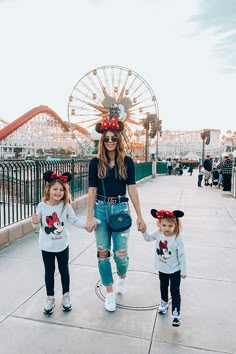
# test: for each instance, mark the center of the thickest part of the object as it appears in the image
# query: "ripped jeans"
(104, 237)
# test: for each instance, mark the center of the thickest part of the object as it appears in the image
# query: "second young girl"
(51, 218)
(169, 259)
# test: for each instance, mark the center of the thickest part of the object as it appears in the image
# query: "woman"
(227, 167)
(117, 171)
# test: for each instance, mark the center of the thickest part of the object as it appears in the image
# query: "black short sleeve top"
(114, 186)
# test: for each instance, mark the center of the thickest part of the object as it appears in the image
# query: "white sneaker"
(50, 304)
(120, 283)
(163, 307)
(66, 304)
(110, 302)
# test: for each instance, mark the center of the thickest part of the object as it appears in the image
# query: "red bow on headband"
(64, 179)
(52, 221)
(113, 124)
(162, 213)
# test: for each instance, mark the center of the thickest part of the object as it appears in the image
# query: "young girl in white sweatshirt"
(52, 216)
(169, 259)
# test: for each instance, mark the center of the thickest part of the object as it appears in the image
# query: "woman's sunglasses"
(110, 138)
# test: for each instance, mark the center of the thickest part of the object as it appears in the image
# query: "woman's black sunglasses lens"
(112, 138)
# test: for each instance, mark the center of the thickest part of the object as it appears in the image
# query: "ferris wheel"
(97, 91)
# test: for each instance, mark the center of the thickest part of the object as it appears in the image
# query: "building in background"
(181, 143)
(40, 130)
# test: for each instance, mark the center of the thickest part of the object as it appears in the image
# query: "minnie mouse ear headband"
(112, 121)
(107, 123)
(49, 176)
(160, 214)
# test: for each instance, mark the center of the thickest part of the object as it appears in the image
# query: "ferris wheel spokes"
(102, 87)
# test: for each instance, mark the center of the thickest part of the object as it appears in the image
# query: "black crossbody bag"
(118, 222)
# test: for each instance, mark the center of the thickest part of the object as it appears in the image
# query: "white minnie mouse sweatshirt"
(169, 252)
(53, 231)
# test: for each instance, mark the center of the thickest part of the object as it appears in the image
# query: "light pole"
(157, 143)
(203, 149)
(146, 126)
(206, 137)
(150, 124)
(159, 131)
(146, 140)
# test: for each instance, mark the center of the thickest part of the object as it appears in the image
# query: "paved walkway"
(208, 293)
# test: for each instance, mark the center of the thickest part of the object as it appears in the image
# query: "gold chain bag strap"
(117, 222)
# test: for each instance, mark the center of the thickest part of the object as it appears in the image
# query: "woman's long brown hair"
(104, 160)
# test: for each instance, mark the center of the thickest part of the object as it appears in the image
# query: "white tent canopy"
(191, 156)
(230, 154)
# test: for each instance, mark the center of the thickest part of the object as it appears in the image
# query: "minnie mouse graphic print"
(169, 255)
(53, 234)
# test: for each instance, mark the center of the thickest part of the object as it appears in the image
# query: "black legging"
(174, 279)
(227, 182)
(63, 266)
(169, 169)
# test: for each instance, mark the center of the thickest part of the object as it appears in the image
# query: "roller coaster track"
(17, 123)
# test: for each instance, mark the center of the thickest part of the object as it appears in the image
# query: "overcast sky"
(184, 49)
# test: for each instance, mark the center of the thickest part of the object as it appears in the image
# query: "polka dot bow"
(112, 124)
(162, 213)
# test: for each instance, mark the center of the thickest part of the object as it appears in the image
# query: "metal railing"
(143, 170)
(22, 184)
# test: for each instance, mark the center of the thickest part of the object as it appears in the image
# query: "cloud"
(218, 19)
(184, 49)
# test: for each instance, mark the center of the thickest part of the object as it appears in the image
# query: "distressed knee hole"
(121, 253)
(102, 253)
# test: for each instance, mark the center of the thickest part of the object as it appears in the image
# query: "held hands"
(91, 224)
(141, 225)
(35, 219)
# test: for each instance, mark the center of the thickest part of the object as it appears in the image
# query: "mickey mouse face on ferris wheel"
(122, 108)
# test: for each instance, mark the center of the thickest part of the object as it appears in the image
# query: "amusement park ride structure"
(97, 91)
(41, 129)
(3, 123)
(89, 103)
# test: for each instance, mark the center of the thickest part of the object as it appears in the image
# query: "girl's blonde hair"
(66, 197)
(104, 160)
(175, 221)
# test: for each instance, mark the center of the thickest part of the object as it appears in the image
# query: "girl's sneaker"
(163, 307)
(176, 322)
(66, 304)
(110, 302)
(50, 304)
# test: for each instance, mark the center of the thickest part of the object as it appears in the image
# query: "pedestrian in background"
(169, 166)
(190, 169)
(207, 164)
(200, 175)
(227, 167)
